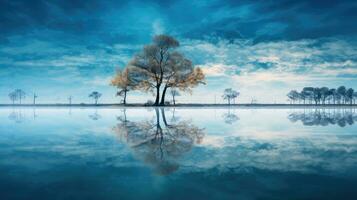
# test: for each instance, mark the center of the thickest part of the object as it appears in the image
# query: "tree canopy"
(323, 95)
(122, 81)
(229, 94)
(95, 95)
(17, 94)
(159, 67)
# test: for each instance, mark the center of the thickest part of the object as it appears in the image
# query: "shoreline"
(187, 105)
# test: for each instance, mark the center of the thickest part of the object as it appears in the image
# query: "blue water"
(183, 153)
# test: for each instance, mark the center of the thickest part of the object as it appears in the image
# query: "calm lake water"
(139, 153)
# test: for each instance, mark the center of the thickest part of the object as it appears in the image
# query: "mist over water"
(182, 153)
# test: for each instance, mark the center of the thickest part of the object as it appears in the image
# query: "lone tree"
(229, 94)
(95, 95)
(122, 81)
(159, 65)
(20, 94)
(13, 97)
(35, 96)
(70, 100)
(174, 92)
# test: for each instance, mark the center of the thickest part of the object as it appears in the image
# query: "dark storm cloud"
(284, 19)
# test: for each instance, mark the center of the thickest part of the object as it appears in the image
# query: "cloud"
(99, 81)
(309, 58)
(275, 66)
(213, 70)
(240, 44)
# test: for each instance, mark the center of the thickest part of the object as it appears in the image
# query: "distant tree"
(333, 94)
(34, 98)
(317, 95)
(95, 95)
(349, 95)
(174, 92)
(70, 100)
(293, 96)
(342, 93)
(324, 94)
(253, 100)
(338, 97)
(303, 95)
(123, 83)
(308, 93)
(159, 65)
(229, 94)
(13, 97)
(354, 97)
(20, 94)
(235, 94)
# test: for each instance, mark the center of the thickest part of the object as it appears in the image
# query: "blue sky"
(262, 48)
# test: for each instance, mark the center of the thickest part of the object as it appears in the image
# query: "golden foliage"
(121, 79)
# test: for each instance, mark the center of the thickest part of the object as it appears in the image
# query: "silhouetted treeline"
(323, 95)
(324, 117)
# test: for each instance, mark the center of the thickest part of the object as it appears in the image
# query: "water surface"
(182, 153)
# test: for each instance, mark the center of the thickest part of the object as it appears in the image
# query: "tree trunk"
(157, 116)
(163, 96)
(157, 95)
(173, 99)
(159, 132)
(164, 117)
(124, 101)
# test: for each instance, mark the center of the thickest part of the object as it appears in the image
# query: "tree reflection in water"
(95, 115)
(157, 142)
(17, 116)
(324, 117)
(229, 117)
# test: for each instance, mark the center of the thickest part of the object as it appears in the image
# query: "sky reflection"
(168, 147)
